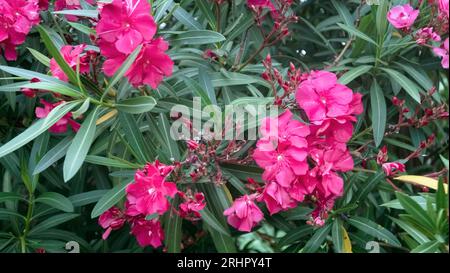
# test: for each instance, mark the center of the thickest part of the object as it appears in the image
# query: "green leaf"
(354, 73)
(86, 198)
(27, 74)
(173, 227)
(40, 57)
(54, 51)
(5, 214)
(411, 230)
(82, 28)
(353, 31)
(420, 77)
(344, 13)
(133, 136)
(211, 220)
(429, 247)
(381, 16)
(410, 87)
(37, 128)
(295, 235)
(379, 112)
(111, 198)
(198, 37)
(317, 239)
(205, 7)
(80, 146)
(109, 162)
(55, 200)
(369, 227)
(415, 210)
(136, 105)
(206, 83)
(83, 108)
(170, 143)
(91, 13)
(55, 88)
(53, 155)
(186, 19)
(10, 196)
(337, 236)
(368, 186)
(52, 222)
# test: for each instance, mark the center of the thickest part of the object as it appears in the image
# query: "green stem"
(23, 243)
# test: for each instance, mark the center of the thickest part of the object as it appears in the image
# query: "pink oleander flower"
(69, 5)
(402, 17)
(147, 232)
(29, 92)
(244, 214)
(110, 220)
(149, 192)
(277, 197)
(61, 125)
(391, 168)
(72, 55)
(329, 105)
(328, 163)
(191, 207)
(423, 35)
(282, 149)
(442, 52)
(443, 7)
(43, 4)
(151, 65)
(16, 20)
(124, 25)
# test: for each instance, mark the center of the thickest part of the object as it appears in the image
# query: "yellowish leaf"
(106, 117)
(347, 247)
(422, 181)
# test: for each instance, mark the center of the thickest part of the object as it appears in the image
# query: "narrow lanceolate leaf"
(53, 155)
(52, 222)
(136, 105)
(86, 198)
(354, 73)
(369, 227)
(353, 31)
(295, 235)
(186, 19)
(410, 87)
(122, 69)
(40, 57)
(211, 220)
(54, 51)
(55, 88)
(37, 128)
(80, 146)
(205, 7)
(369, 185)
(429, 247)
(317, 239)
(109, 162)
(344, 13)
(169, 141)
(10, 196)
(412, 231)
(379, 112)
(28, 74)
(337, 236)
(380, 19)
(415, 210)
(133, 136)
(198, 37)
(55, 200)
(173, 227)
(111, 198)
(79, 12)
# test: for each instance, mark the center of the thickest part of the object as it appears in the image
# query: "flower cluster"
(125, 25)
(303, 160)
(16, 20)
(403, 17)
(148, 196)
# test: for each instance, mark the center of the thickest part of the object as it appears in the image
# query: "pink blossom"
(147, 232)
(402, 17)
(443, 7)
(149, 193)
(43, 4)
(244, 214)
(16, 20)
(29, 92)
(442, 52)
(277, 198)
(61, 125)
(110, 220)
(69, 5)
(282, 150)
(423, 35)
(124, 25)
(391, 168)
(191, 207)
(151, 65)
(72, 55)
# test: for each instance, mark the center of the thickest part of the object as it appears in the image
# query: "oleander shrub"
(224, 126)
